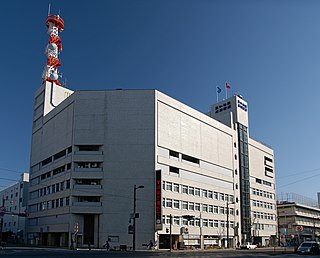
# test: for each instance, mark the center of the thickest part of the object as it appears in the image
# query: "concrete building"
(198, 177)
(14, 201)
(298, 222)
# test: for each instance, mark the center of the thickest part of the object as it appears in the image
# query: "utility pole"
(170, 232)
(135, 215)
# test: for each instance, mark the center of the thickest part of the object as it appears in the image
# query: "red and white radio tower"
(55, 24)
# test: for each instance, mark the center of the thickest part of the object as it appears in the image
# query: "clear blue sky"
(268, 50)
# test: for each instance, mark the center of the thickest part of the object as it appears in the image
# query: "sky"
(267, 50)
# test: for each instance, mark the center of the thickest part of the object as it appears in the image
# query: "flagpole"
(217, 94)
(225, 86)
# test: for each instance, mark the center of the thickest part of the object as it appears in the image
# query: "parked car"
(309, 247)
(248, 246)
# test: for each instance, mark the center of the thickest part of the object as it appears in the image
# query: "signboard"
(299, 228)
(158, 201)
(2, 211)
(76, 228)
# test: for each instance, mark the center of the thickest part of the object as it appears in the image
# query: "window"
(190, 159)
(61, 202)
(176, 204)
(59, 155)
(68, 184)
(185, 189)
(221, 210)
(46, 161)
(197, 207)
(204, 207)
(205, 223)
(174, 170)
(169, 186)
(205, 193)
(176, 188)
(67, 201)
(210, 208)
(197, 191)
(184, 205)
(89, 147)
(173, 153)
(216, 196)
(210, 194)
(191, 206)
(169, 203)
(216, 209)
(191, 190)
(176, 221)
(222, 196)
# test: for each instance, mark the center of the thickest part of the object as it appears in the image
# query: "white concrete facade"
(91, 149)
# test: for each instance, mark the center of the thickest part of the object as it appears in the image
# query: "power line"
(10, 170)
(300, 173)
(298, 181)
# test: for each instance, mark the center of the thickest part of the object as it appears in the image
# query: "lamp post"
(135, 215)
(228, 222)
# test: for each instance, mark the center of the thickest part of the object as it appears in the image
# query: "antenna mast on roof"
(55, 24)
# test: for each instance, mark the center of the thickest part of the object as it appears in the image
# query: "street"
(61, 253)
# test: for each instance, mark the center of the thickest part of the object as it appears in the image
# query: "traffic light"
(167, 230)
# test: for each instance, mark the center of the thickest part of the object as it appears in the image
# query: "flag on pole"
(228, 85)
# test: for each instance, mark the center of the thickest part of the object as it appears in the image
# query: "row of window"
(60, 202)
(185, 189)
(262, 204)
(53, 188)
(192, 206)
(263, 182)
(196, 222)
(263, 215)
(50, 159)
(55, 171)
(262, 193)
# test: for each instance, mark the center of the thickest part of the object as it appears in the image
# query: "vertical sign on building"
(158, 201)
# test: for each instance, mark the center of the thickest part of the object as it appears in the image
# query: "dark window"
(68, 166)
(174, 170)
(46, 161)
(89, 147)
(68, 184)
(58, 170)
(190, 159)
(174, 153)
(69, 150)
(59, 155)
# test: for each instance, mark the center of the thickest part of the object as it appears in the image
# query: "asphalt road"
(60, 253)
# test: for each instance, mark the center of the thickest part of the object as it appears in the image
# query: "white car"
(248, 246)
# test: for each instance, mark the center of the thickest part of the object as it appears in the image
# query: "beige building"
(197, 177)
(299, 220)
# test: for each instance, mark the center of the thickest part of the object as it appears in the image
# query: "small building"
(298, 220)
(14, 204)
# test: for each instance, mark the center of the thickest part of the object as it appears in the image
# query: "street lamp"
(135, 215)
(228, 222)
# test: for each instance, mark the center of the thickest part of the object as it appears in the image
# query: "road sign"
(299, 228)
(2, 211)
(76, 228)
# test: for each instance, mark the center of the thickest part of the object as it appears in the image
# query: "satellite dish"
(54, 76)
(53, 47)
